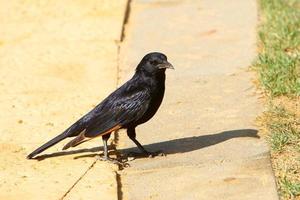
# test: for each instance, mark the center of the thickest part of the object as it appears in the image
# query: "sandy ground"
(206, 122)
(58, 59)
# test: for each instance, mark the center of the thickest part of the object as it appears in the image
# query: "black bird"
(132, 104)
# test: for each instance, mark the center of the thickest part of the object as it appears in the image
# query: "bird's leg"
(132, 135)
(105, 148)
(105, 139)
(106, 156)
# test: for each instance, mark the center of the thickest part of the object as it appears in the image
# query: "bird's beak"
(166, 65)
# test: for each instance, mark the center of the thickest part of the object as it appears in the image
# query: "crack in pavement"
(116, 135)
(79, 179)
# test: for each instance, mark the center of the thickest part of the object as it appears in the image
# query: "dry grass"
(281, 126)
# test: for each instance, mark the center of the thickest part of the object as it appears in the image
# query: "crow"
(132, 104)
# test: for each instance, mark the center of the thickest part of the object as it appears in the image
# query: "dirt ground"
(58, 59)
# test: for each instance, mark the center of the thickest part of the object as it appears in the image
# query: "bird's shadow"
(181, 145)
(72, 152)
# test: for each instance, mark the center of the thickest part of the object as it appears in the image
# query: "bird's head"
(153, 63)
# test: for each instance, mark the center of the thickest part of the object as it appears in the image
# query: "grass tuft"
(289, 188)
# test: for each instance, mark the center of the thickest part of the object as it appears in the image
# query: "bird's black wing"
(120, 109)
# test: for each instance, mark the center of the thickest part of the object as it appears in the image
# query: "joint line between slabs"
(77, 181)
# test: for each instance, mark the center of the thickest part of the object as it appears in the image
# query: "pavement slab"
(58, 59)
(206, 124)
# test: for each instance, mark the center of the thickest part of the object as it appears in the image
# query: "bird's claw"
(156, 153)
(113, 161)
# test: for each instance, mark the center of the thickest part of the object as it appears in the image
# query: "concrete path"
(58, 59)
(206, 123)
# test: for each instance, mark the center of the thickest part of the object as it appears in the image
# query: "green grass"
(284, 128)
(290, 189)
(278, 68)
(279, 60)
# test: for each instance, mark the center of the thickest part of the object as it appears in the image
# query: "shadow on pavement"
(65, 153)
(181, 145)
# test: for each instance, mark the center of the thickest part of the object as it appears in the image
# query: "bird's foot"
(113, 161)
(155, 153)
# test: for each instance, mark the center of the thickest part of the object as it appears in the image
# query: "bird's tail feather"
(76, 141)
(47, 145)
(74, 130)
(83, 138)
